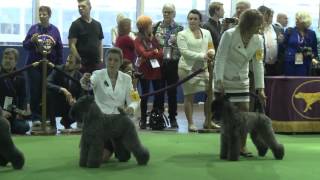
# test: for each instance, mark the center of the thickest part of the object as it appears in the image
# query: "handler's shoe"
(36, 126)
(211, 125)
(71, 131)
(192, 128)
(173, 123)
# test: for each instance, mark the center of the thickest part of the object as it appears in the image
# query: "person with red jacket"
(149, 63)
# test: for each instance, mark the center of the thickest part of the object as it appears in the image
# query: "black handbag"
(158, 120)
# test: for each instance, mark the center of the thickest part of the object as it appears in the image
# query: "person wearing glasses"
(166, 32)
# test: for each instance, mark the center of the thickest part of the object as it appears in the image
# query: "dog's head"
(81, 107)
(221, 104)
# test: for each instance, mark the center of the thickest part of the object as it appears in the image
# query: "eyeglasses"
(167, 12)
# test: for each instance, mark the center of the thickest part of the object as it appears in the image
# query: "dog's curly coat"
(236, 123)
(8, 151)
(99, 128)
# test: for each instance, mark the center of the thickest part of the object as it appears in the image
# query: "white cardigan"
(108, 99)
(191, 49)
(232, 61)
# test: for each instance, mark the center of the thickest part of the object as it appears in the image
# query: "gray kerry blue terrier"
(99, 128)
(236, 123)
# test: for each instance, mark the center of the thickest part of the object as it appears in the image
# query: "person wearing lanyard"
(301, 47)
(166, 33)
(149, 63)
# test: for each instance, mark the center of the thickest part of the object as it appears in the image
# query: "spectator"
(149, 63)
(13, 92)
(272, 36)
(31, 45)
(241, 6)
(238, 47)
(282, 21)
(85, 39)
(216, 12)
(195, 46)
(62, 91)
(166, 32)
(126, 44)
(300, 43)
(115, 30)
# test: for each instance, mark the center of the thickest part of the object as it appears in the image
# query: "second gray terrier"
(236, 123)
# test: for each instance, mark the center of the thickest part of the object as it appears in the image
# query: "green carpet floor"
(173, 156)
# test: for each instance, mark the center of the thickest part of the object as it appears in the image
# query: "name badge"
(167, 53)
(298, 58)
(154, 63)
(259, 55)
(7, 102)
(135, 96)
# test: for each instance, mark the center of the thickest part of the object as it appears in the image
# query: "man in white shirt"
(270, 42)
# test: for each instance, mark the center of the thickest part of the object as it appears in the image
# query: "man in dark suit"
(62, 91)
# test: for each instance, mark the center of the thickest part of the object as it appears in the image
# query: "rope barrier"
(67, 75)
(78, 83)
(174, 85)
(14, 73)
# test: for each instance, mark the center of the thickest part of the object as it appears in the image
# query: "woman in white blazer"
(239, 47)
(112, 89)
(196, 48)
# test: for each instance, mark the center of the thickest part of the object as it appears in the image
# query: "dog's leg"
(234, 145)
(132, 143)
(120, 151)
(9, 151)
(95, 153)
(260, 145)
(267, 134)
(3, 161)
(223, 146)
(84, 150)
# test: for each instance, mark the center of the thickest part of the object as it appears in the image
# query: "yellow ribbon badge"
(259, 55)
(135, 95)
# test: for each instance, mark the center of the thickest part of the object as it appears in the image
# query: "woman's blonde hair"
(304, 17)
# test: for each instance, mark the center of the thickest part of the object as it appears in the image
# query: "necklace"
(245, 40)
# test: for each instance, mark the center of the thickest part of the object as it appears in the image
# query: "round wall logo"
(306, 99)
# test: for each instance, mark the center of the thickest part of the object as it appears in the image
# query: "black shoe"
(246, 154)
(142, 124)
(173, 123)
